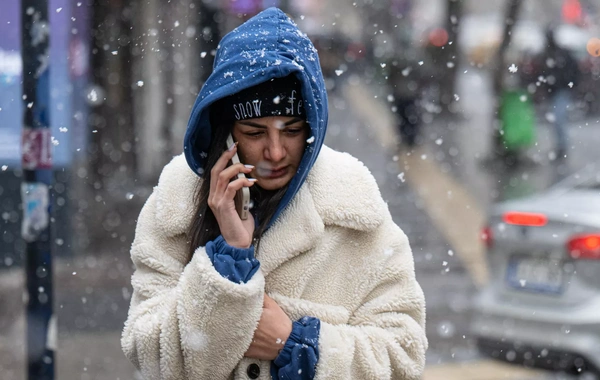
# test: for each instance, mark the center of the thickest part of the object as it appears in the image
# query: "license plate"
(535, 274)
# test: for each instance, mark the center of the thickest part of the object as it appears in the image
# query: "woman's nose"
(275, 150)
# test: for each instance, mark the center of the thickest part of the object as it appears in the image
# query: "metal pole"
(35, 189)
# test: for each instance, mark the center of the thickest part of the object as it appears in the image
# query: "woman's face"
(274, 145)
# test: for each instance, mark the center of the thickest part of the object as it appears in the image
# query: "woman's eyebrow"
(252, 124)
(256, 125)
(293, 121)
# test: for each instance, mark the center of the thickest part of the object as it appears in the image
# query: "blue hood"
(267, 46)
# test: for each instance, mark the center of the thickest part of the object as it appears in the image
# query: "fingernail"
(232, 146)
(249, 166)
(252, 179)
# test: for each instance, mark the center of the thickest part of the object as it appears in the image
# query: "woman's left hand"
(272, 332)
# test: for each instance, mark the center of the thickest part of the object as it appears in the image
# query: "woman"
(318, 283)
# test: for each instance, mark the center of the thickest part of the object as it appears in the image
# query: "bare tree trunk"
(209, 37)
(113, 137)
(111, 170)
(150, 89)
(185, 74)
(512, 12)
(172, 59)
(454, 12)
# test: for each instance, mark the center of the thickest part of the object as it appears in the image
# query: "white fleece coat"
(334, 254)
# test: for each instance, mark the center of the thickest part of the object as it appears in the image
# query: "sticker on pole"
(37, 149)
(35, 210)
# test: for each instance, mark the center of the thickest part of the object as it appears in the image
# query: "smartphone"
(242, 196)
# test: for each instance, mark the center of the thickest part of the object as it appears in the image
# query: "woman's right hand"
(221, 200)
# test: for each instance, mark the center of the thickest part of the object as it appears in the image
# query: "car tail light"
(487, 237)
(585, 247)
(525, 219)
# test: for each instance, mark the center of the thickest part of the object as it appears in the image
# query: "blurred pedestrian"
(561, 73)
(408, 76)
(318, 282)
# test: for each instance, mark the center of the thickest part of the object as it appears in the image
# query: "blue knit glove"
(236, 264)
(299, 357)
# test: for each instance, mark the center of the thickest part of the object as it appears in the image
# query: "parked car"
(541, 307)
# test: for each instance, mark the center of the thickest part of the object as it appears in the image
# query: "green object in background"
(517, 116)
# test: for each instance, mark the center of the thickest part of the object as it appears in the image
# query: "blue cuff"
(236, 264)
(299, 357)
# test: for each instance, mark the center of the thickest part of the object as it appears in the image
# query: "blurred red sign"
(37, 149)
(572, 11)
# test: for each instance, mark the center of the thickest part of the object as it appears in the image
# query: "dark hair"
(204, 227)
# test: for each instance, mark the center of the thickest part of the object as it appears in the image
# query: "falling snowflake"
(401, 177)
(570, 84)
(439, 141)
(203, 54)
(4, 167)
(513, 68)
(228, 74)
(63, 129)
(311, 140)
(339, 72)
(383, 65)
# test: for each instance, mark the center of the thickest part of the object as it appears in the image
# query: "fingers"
(221, 174)
(236, 185)
(221, 164)
(230, 173)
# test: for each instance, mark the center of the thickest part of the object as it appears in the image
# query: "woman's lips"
(273, 173)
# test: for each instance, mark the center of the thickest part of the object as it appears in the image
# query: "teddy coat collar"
(335, 193)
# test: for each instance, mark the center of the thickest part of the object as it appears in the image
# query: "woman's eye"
(253, 134)
(294, 130)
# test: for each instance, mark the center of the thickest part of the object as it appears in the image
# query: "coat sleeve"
(185, 320)
(385, 336)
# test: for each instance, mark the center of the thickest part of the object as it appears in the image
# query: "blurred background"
(464, 111)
